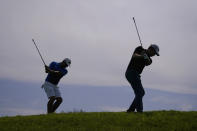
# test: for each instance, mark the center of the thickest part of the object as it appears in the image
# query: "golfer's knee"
(143, 93)
(59, 100)
(140, 95)
(51, 100)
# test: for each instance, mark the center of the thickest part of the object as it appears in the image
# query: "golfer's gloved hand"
(145, 56)
(47, 69)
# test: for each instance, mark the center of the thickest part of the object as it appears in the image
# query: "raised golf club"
(39, 52)
(137, 31)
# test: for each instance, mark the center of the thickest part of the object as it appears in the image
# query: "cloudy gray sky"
(99, 36)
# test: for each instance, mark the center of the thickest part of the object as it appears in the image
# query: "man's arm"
(147, 59)
(48, 70)
(144, 56)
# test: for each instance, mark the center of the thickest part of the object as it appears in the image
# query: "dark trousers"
(134, 79)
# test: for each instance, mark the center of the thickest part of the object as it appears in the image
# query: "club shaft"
(38, 51)
(137, 31)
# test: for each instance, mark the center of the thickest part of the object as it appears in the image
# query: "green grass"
(103, 121)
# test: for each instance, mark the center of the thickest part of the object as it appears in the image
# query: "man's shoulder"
(53, 64)
(139, 49)
(64, 71)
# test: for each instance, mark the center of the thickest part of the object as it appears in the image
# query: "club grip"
(133, 18)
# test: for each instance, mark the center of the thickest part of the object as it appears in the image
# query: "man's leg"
(137, 102)
(139, 93)
(131, 77)
(139, 96)
(132, 106)
(57, 103)
(50, 104)
(50, 94)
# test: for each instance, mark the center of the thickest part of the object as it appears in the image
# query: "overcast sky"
(99, 36)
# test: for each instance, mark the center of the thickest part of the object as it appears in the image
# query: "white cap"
(67, 61)
(156, 48)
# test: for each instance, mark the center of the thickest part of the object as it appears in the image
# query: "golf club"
(137, 31)
(38, 52)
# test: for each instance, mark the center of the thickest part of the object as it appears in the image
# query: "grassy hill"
(103, 121)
